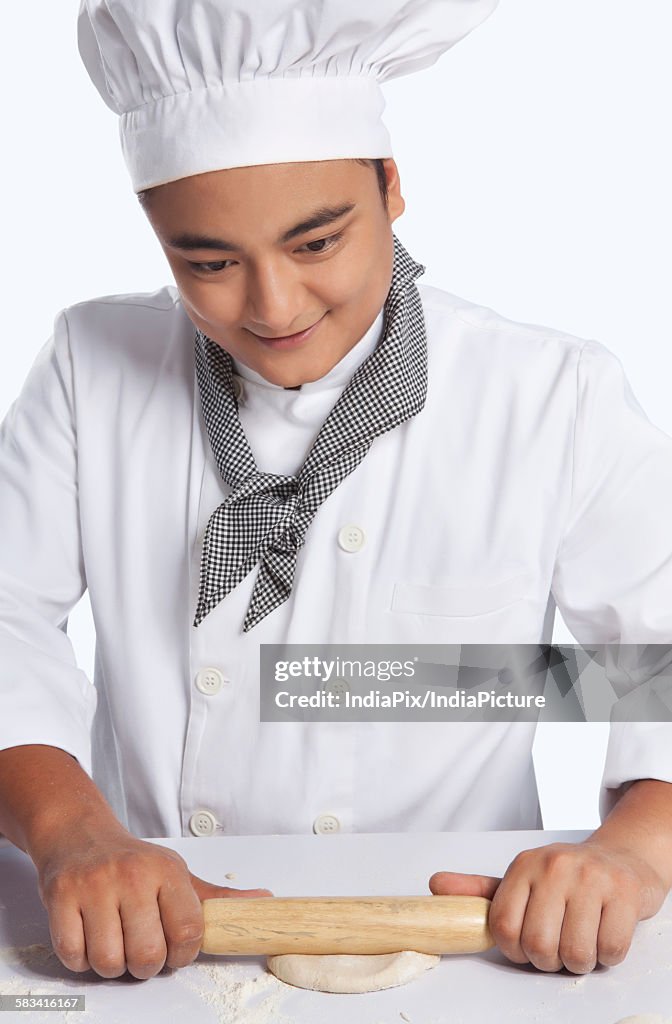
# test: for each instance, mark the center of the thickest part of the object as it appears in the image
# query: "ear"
(395, 201)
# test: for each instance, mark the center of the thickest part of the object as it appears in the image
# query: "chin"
(291, 376)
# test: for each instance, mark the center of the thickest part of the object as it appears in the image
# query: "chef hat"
(202, 85)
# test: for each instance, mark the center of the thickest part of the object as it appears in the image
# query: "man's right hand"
(118, 903)
(115, 903)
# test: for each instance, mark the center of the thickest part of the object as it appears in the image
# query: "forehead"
(278, 201)
(266, 185)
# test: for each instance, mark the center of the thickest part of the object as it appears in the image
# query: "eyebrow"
(320, 218)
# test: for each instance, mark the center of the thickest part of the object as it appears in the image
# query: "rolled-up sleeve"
(44, 697)
(613, 574)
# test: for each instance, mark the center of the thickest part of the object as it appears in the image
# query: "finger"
(506, 917)
(104, 938)
(454, 883)
(182, 921)
(577, 948)
(542, 927)
(224, 892)
(144, 942)
(67, 935)
(614, 937)
(208, 891)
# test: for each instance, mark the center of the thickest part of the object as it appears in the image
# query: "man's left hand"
(570, 905)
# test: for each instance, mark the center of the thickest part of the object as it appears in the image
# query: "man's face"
(250, 268)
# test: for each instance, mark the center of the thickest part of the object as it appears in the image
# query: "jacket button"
(350, 538)
(209, 681)
(337, 686)
(202, 823)
(326, 825)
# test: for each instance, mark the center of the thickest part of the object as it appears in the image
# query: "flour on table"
(41, 958)
(37, 955)
(235, 995)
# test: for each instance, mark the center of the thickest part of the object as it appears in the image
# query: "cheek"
(207, 302)
(350, 284)
(368, 286)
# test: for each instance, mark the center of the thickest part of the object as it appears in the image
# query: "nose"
(274, 300)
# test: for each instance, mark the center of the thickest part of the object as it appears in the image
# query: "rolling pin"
(272, 925)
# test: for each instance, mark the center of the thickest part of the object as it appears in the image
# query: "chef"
(300, 442)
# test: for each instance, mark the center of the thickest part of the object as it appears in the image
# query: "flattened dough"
(349, 973)
(645, 1018)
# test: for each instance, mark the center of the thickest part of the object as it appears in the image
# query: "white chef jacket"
(531, 478)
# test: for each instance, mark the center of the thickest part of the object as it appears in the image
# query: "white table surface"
(475, 989)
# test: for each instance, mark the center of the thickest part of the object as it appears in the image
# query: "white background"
(535, 162)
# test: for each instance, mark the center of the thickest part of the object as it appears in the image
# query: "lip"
(291, 340)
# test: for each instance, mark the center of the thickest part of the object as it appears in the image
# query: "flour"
(236, 995)
(34, 956)
(43, 960)
(239, 993)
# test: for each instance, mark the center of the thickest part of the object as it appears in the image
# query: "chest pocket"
(460, 599)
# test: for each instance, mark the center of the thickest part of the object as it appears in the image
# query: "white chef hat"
(202, 85)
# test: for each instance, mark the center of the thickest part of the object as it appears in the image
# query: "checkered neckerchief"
(266, 516)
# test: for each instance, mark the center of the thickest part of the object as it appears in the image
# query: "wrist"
(81, 820)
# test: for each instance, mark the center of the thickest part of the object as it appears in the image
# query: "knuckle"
(70, 955)
(612, 953)
(578, 960)
(55, 887)
(560, 861)
(146, 963)
(537, 949)
(181, 958)
(133, 869)
(149, 956)
(503, 929)
(522, 859)
(173, 858)
(594, 875)
(187, 933)
(549, 963)
(540, 950)
(109, 965)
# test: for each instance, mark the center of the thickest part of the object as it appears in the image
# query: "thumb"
(209, 891)
(453, 883)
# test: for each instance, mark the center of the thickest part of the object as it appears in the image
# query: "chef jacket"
(530, 479)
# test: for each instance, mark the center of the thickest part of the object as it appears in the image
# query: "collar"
(338, 376)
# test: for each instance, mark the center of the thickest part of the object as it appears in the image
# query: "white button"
(238, 389)
(350, 538)
(209, 681)
(326, 825)
(202, 823)
(337, 686)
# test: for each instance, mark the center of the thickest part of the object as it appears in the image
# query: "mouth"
(290, 340)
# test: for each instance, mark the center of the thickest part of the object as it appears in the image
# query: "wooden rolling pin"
(271, 925)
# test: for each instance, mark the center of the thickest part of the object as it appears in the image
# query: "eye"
(209, 268)
(217, 266)
(328, 243)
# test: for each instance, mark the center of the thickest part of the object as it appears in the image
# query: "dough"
(350, 973)
(645, 1018)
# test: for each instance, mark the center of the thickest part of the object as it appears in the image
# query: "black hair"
(378, 164)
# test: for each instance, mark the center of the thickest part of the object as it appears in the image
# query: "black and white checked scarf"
(266, 516)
